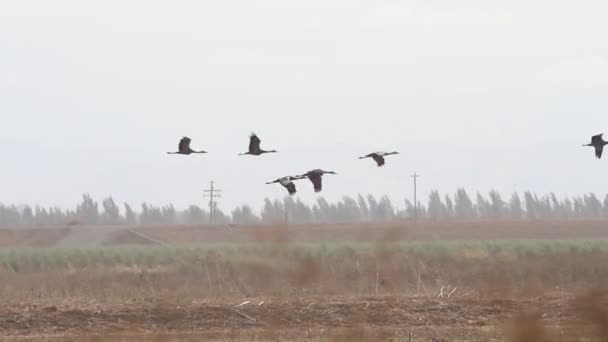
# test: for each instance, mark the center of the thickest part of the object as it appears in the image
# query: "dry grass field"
(458, 281)
(404, 230)
(31, 237)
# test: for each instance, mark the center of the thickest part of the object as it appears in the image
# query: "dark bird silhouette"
(316, 177)
(184, 147)
(254, 147)
(288, 183)
(378, 157)
(598, 142)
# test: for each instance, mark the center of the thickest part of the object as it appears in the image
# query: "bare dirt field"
(97, 236)
(405, 230)
(31, 237)
(306, 319)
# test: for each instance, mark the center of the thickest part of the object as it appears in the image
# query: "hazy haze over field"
(92, 95)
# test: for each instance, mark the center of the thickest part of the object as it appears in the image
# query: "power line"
(212, 193)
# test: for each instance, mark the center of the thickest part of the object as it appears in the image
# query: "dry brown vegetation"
(31, 237)
(406, 230)
(387, 288)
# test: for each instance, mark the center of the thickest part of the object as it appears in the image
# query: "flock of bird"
(315, 176)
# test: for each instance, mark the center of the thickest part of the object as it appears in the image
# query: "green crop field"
(43, 259)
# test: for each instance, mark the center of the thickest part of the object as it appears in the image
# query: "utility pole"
(415, 176)
(212, 193)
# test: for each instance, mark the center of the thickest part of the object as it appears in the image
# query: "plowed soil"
(404, 230)
(93, 236)
(154, 316)
(32, 237)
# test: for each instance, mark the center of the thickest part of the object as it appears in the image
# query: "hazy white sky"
(477, 94)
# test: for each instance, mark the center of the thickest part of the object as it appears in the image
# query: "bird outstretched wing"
(317, 181)
(184, 144)
(597, 139)
(291, 188)
(598, 150)
(378, 159)
(254, 142)
(284, 181)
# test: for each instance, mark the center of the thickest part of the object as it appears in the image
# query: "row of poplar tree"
(348, 209)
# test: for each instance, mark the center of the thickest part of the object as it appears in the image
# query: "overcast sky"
(478, 94)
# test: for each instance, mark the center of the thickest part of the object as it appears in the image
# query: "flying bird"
(598, 142)
(184, 147)
(254, 146)
(378, 157)
(288, 183)
(315, 177)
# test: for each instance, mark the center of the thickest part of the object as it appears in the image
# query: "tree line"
(360, 209)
